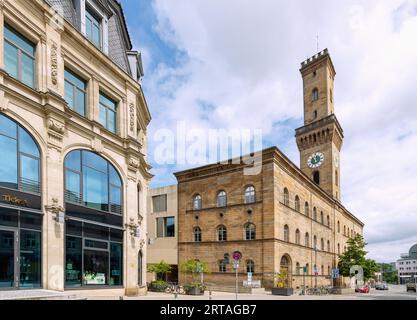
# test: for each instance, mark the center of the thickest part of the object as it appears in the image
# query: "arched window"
(336, 177)
(328, 220)
(307, 240)
(315, 243)
(297, 236)
(307, 268)
(322, 244)
(322, 270)
(250, 266)
(338, 226)
(328, 245)
(306, 209)
(328, 270)
(338, 248)
(321, 217)
(197, 202)
(286, 197)
(344, 230)
(316, 177)
(297, 268)
(197, 234)
(315, 214)
(315, 94)
(222, 233)
(222, 266)
(20, 158)
(286, 233)
(250, 231)
(344, 249)
(297, 203)
(92, 181)
(348, 231)
(222, 199)
(250, 196)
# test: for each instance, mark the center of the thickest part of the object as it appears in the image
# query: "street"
(395, 292)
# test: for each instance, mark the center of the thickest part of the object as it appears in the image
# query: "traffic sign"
(235, 264)
(335, 273)
(237, 255)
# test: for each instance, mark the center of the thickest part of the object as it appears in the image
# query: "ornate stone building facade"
(73, 123)
(285, 220)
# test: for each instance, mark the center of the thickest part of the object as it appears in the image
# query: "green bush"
(195, 285)
(158, 286)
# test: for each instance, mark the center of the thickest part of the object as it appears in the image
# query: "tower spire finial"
(317, 43)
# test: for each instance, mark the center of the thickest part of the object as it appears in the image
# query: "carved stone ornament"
(54, 64)
(56, 126)
(133, 163)
(132, 116)
(55, 208)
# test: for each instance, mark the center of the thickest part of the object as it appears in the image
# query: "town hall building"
(285, 220)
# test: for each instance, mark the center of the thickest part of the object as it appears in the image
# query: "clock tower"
(320, 139)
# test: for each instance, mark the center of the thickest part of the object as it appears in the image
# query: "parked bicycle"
(174, 288)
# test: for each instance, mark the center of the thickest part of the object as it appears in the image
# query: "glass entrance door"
(7, 259)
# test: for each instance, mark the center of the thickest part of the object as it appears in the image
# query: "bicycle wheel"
(180, 290)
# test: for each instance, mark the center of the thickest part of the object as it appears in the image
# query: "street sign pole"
(236, 257)
(237, 280)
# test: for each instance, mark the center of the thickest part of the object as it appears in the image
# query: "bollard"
(210, 297)
(176, 295)
(120, 297)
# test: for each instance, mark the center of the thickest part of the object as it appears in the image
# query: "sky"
(215, 64)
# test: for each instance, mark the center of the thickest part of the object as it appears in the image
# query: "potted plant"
(281, 288)
(194, 268)
(161, 270)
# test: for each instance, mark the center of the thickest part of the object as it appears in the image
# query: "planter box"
(195, 292)
(282, 291)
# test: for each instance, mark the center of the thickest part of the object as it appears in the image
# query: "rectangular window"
(165, 227)
(75, 92)
(159, 203)
(19, 56)
(93, 27)
(108, 113)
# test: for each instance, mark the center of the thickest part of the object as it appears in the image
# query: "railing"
(27, 185)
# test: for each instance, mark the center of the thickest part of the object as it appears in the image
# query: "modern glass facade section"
(20, 249)
(20, 158)
(93, 182)
(94, 255)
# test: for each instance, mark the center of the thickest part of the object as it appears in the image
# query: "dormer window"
(93, 27)
(93, 17)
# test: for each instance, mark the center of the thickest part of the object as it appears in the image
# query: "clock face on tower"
(315, 160)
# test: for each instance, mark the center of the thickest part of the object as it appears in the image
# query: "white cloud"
(240, 70)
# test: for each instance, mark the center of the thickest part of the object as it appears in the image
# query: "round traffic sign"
(237, 255)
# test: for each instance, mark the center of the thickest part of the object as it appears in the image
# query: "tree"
(355, 255)
(194, 267)
(161, 269)
(389, 274)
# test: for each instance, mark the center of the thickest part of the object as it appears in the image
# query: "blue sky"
(232, 65)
